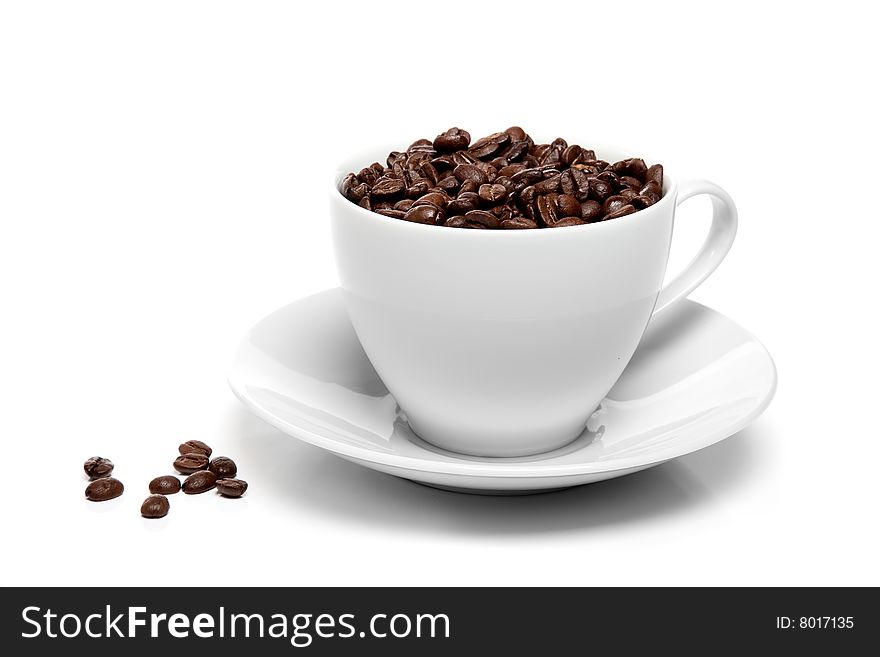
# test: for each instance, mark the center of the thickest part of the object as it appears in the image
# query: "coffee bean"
(641, 202)
(437, 199)
(454, 139)
(591, 211)
(518, 223)
(189, 463)
(548, 185)
(576, 183)
(394, 214)
(194, 447)
(386, 187)
(546, 210)
(166, 485)
(465, 202)
(483, 218)
(620, 212)
(600, 189)
(634, 167)
(493, 193)
(465, 172)
(505, 175)
(224, 467)
(424, 214)
(613, 203)
(155, 506)
(483, 148)
(199, 482)
(103, 489)
(97, 467)
(568, 206)
(568, 221)
(231, 487)
(655, 174)
(633, 183)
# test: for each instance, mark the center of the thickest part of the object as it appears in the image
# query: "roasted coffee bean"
(97, 467)
(166, 485)
(199, 482)
(614, 203)
(483, 148)
(568, 221)
(468, 187)
(189, 463)
(223, 467)
(634, 167)
(493, 193)
(600, 189)
(568, 206)
(394, 214)
(465, 172)
(424, 214)
(591, 211)
(505, 175)
(449, 184)
(194, 447)
(633, 183)
(510, 170)
(483, 218)
(576, 183)
(641, 202)
(620, 212)
(437, 199)
(386, 187)
(231, 487)
(454, 139)
(571, 154)
(546, 210)
(418, 189)
(155, 506)
(465, 202)
(548, 185)
(103, 489)
(518, 223)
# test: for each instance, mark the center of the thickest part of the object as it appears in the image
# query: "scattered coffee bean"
(189, 463)
(224, 467)
(231, 487)
(505, 176)
(199, 482)
(97, 467)
(166, 485)
(194, 447)
(155, 506)
(103, 489)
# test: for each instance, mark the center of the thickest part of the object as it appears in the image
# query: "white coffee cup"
(504, 342)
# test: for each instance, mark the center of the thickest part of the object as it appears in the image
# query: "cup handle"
(717, 244)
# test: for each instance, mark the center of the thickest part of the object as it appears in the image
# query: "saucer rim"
(501, 470)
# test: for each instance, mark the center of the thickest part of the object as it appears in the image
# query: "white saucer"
(696, 378)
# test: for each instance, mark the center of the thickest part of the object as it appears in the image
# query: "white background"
(163, 171)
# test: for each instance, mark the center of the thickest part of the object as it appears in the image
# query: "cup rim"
(670, 190)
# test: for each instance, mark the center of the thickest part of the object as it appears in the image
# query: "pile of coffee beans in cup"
(203, 474)
(503, 181)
